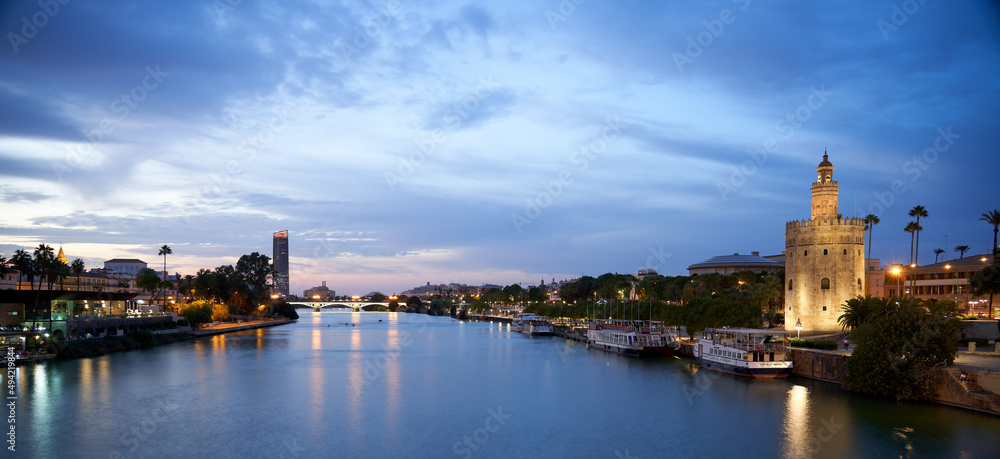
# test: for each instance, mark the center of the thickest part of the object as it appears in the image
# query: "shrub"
(815, 344)
(144, 338)
(182, 323)
(978, 341)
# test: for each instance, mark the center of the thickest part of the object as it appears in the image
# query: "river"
(407, 385)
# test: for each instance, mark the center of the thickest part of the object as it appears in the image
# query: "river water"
(407, 385)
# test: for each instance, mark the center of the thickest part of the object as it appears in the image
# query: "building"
(644, 273)
(947, 280)
(824, 260)
(61, 257)
(281, 263)
(321, 293)
(126, 266)
(728, 264)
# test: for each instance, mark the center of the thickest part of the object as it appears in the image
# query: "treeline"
(742, 299)
(242, 288)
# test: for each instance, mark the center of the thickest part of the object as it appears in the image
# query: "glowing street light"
(896, 272)
(798, 328)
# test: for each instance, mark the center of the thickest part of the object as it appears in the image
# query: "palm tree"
(918, 211)
(937, 253)
(77, 268)
(22, 262)
(870, 221)
(5, 269)
(993, 218)
(165, 250)
(986, 281)
(60, 271)
(912, 229)
(961, 249)
(44, 259)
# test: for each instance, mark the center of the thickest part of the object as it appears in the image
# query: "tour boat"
(747, 352)
(632, 337)
(531, 324)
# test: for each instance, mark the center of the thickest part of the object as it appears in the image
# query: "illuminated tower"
(281, 263)
(824, 260)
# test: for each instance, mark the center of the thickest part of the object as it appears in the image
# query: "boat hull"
(633, 351)
(775, 372)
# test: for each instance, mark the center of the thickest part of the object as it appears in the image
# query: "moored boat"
(636, 338)
(531, 324)
(751, 352)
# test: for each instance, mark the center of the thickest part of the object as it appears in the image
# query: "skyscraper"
(281, 263)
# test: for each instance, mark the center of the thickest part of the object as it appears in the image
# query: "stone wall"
(826, 366)
(949, 390)
(823, 248)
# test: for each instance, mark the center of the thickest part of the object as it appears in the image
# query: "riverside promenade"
(226, 327)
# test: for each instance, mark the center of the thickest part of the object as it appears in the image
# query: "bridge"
(356, 306)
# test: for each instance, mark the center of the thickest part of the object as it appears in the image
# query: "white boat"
(751, 352)
(531, 324)
(632, 337)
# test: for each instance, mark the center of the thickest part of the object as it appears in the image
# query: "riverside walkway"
(226, 327)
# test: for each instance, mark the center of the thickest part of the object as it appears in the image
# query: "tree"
(198, 312)
(918, 211)
(961, 249)
(986, 281)
(77, 267)
(22, 262)
(993, 218)
(377, 297)
(254, 271)
(414, 302)
(58, 273)
(4, 267)
(860, 309)
(912, 228)
(513, 293)
(898, 352)
(937, 253)
(148, 280)
(44, 259)
(165, 250)
(870, 221)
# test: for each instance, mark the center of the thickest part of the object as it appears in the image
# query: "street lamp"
(798, 328)
(896, 272)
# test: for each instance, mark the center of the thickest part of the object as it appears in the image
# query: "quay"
(227, 327)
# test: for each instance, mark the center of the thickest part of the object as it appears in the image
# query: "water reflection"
(796, 426)
(393, 349)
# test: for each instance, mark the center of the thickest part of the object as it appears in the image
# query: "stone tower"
(824, 260)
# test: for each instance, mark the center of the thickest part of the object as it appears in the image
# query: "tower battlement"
(824, 259)
(825, 221)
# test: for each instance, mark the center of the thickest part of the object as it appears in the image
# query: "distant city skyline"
(494, 142)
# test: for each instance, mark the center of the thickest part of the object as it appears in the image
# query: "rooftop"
(736, 260)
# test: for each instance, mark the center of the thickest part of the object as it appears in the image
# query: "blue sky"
(488, 141)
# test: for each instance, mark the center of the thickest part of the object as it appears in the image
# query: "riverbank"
(94, 347)
(977, 390)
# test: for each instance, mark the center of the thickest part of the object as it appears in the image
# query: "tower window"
(805, 253)
(824, 308)
(859, 283)
(825, 283)
(845, 251)
(790, 284)
(824, 252)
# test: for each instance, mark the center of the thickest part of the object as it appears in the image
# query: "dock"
(238, 326)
